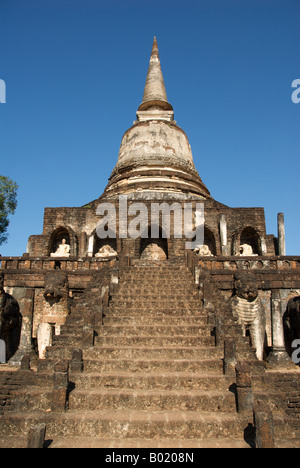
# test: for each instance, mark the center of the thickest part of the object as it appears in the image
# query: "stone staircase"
(153, 378)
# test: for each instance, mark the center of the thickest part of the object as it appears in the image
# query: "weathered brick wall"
(47, 312)
(78, 223)
(28, 276)
(10, 382)
(38, 245)
(281, 389)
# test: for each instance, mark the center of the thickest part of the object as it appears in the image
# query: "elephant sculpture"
(10, 321)
(248, 310)
(291, 322)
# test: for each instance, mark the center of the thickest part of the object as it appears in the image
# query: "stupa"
(124, 333)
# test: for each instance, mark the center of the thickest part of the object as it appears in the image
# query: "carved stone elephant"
(248, 310)
(10, 321)
(291, 322)
(56, 285)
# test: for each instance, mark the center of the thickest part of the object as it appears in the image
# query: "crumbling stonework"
(132, 341)
(10, 321)
(52, 303)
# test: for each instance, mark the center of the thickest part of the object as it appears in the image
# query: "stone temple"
(115, 333)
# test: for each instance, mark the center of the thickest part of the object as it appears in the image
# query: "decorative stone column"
(91, 242)
(235, 246)
(82, 244)
(263, 246)
(223, 234)
(281, 235)
(278, 356)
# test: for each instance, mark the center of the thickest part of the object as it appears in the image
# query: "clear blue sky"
(75, 72)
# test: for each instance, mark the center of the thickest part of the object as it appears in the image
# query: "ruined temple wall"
(72, 221)
(276, 279)
(25, 280)
(237, 220)
(28, 282)
(81, 223)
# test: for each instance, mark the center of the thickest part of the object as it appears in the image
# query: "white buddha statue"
(246, 251)
(63, 250)
(203, 251)
(106, 251)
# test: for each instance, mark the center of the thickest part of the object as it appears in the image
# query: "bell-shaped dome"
(155, 142)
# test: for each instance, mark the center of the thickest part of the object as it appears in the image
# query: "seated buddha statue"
(63, 250)
(106, 251)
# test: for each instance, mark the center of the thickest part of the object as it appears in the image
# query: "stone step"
(162, 283)
(208, 366)
(153, 308)
(141, 330)
(141, 303)
(68, 340)
(73, 319)
(152, 353)
(288, 443)
(70, 329)
(156, 271)
(155, 341)
(150, 319)
(135, 366)
(16, 442)
(163, 381)
(19, 442)
(154, 275)
(74, 338)
(119, 337)
(169, 273)
(159, 287)
(34, 399)
(155, 365)
(118, 424)
(162, 278)
(152, 400)
(172, 300)
(116, 311)
(166, 266)
(79, 442)
(136, 271)
(157, 294)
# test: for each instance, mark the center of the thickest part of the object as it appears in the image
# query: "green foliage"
(8, 204)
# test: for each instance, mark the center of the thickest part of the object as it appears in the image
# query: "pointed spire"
(155, 95)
